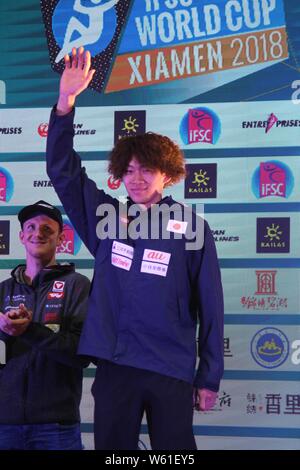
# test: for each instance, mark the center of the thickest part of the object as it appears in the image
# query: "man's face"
(41, 236)
(144, 185)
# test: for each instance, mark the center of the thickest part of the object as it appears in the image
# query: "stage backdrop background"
(221, 78)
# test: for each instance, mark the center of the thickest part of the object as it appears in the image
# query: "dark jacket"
(42, 379)
(138, 317)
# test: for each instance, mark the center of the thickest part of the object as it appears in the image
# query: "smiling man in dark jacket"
(42, 307)
(147, 290)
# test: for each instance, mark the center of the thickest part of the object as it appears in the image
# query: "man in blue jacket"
(43, 305)
(148, 289)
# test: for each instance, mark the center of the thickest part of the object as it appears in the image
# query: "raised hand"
(75, 79)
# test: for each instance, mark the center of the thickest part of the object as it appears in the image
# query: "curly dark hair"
(153, 151)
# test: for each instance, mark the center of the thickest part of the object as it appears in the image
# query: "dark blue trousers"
(40, 437)
(123, 393)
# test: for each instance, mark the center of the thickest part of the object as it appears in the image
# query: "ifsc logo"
(71, 243)
(200, 125)
(272, 178)
(94, 24)
(6, 185)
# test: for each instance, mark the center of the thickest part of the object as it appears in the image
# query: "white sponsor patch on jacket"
(58, 286)
(177, 226)
(155, 262)
(122, 249)
(121, 255)
(55, 327)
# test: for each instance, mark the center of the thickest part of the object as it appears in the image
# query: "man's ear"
(167, 180)
(21, 237)
(61, 238)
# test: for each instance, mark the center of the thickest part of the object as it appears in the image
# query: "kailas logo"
(4, 237)
(200, 125)
(272, 178)
(71, 243)
(43, 129)
(273, 235)
(6, 185)
(201, 181)
(93, 24)
(129, 123)
(270, 348)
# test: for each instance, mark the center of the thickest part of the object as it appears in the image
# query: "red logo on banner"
(113, 183)
(43, 129)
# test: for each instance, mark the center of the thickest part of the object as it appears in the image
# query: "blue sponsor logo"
(270, 348)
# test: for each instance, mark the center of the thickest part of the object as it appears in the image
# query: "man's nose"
(138, 176)
(39, 232)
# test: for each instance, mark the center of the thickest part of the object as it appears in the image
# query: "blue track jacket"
(147, 294)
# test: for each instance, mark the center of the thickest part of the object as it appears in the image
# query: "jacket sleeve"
(211, 317)
(62, 346)
(79, 194)
(3, 336)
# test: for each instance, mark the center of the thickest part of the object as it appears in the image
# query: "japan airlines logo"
(113, 183)
(43, 129)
